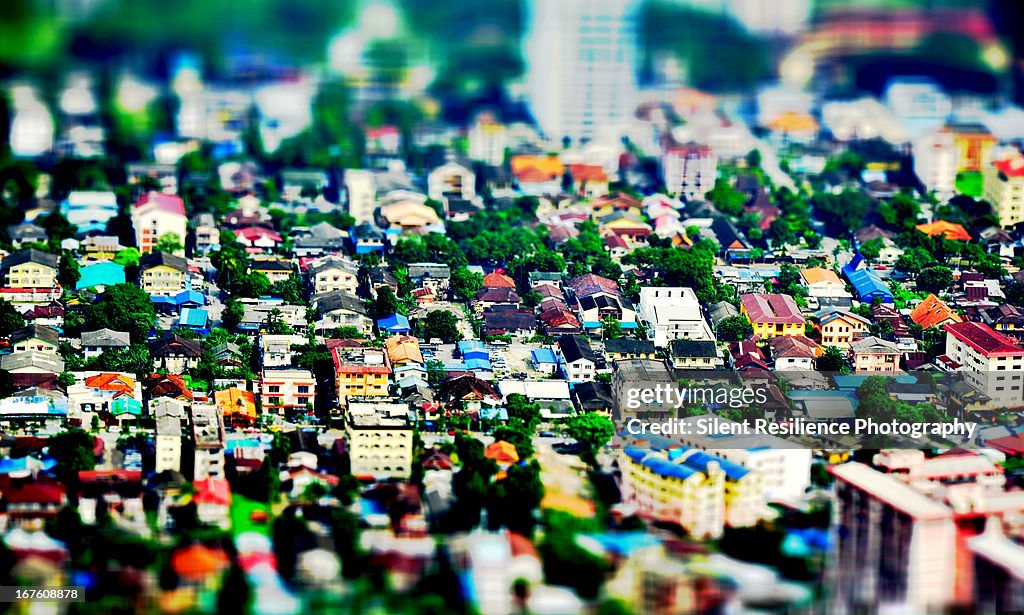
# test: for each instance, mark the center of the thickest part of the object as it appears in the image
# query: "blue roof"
(193, 317)
(455, 366)
(478, 364)
(468, 345)
(636, 453)
(161, 299)
(396, 323)
(100, 274)
(25, 464)
(190, 296)
(867, 285)
(664, 467)
(852, 381)
(597, 324)
(700, 460)
(543, 355)
(488, 412)
(624, 543)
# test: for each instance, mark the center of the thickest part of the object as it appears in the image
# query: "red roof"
(123, 385)
(212, 491)
(1012, 167)
(165, 202)
(588, 173)
(383, 131)
(43, 491)
(498, 280)
(985, 339)
(254, 233)
(772, 308)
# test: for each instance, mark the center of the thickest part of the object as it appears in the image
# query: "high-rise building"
(581, 66)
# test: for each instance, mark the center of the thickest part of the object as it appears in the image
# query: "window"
(274, 388)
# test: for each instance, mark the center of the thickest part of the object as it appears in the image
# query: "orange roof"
(197, 563)
(235, 401)
(502, 452)
(403, 348)
(574, 505)
(816, 275)
(950, 230)
(933, 312)
(498, 280)
(588, 173)
(548, 166)
(123, 384)
(791, 121)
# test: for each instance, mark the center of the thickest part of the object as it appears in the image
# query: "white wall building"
(672, 313)
(581, 61)
(935, 161)
(361, 192)
(689, 170)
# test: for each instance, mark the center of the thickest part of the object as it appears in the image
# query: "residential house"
(867, 285)
(794, 352)
(628, 348)
(176, 354)
(26, 233)
(487, 139)
(435, 276)
(89, 211)
(411, 216)
(933, 312)
(695, 354)
(935, 162)
(95, 343)
(333, 274)
(558, 320)
(949, 231)
(320, 239)
(236, 406)
(275, 270)
(469, 394)
(206, 233)
(772, 315)
(537, 175)
(32, 362)
(1004, 189)
(168, 443)
(379, 438)
(670, 313)
(689, 170)
(156, 215)
(362, 372)
(514, 322)
(100, 247)
(163, 274)
(590, 181)
(577, 361)
(100, 275)
(1006, 318)
(992, 362)
(30, 269)
(287, 390)
(297, 184)
(368, 238)
(403, 350)
(451, 181)
(258, 238)
(339, 309)
(258, 315)
(840, 327)
(39, 338)
(497, 279)
(212, 498)
(873, 354)
(280, 350)
(109, 396)
(826, 286)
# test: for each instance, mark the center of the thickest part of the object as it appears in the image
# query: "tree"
(872, 248)
(170, 243)
(844, 212)
(385, 304)
(914, 259)
(520, 408)
(232, 315)
(123, 307)
(512, 500)
(727, 199)
(790, 281)
(901, 211)
(73, 452)
(935, 279)
(441, 324)
(57, 227)
(465, 283)
(832, 360)
(66, 379)
(128, 257)
(592, 430)
(1014, 293)
(288, 289)
(67, 270)
(611, 328)
(135, 359)
(10, 319)
(734, 329)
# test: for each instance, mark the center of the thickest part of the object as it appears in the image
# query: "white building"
(672, 313)
(168, 444)
(379, 438)
(451, 180)
(208, 441)
(155, 215)
(992, 362)
(488, 139)
(935, 161)
(581, 61)
(689, 170)
(361, 192)
(287, 389)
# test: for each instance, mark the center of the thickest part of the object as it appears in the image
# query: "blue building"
(867, 285)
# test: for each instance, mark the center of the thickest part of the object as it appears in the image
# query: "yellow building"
(1004, 189)
(361, 372)
(163, 274)
(772, 315)
(30, 269)
(839, 328)
(700, 492)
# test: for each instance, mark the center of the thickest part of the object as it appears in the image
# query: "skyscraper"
(581, 66)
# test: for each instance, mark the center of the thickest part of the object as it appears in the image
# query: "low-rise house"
(695, 354)
(320, 239)
(435, 276)
(95, 343)
(887, 313)
(258, 315)
(157, 215)
(772, 315)
(451, 181)
(32, 269)
(868, 287)
(514, 322)
(212, 497)
(339, 309)
(206, 233)
(1007, 319)
(163, 274)
(873, 354)
(35, 337)
(933, 312)
(558, 320)
(176, 354)
(287, 390)
(487, 298)
(403, 350)
(32, 362)
(333, 274)
(275, 270)
(207, 441)
(672, 313)
(826, 286)
(108, 396)
(236, 406)
(596, 308)
(367, 238)
(628, 348)
(840, 327)
(26, 233)
(537, 175)
(794, 352)
(280, 350)
(577, 361)
(543, 360)
(258, 238)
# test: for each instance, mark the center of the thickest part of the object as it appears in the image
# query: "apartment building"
(379, 439)
(672, 313)
(287, 389)
(207, 441)
(991, 361)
